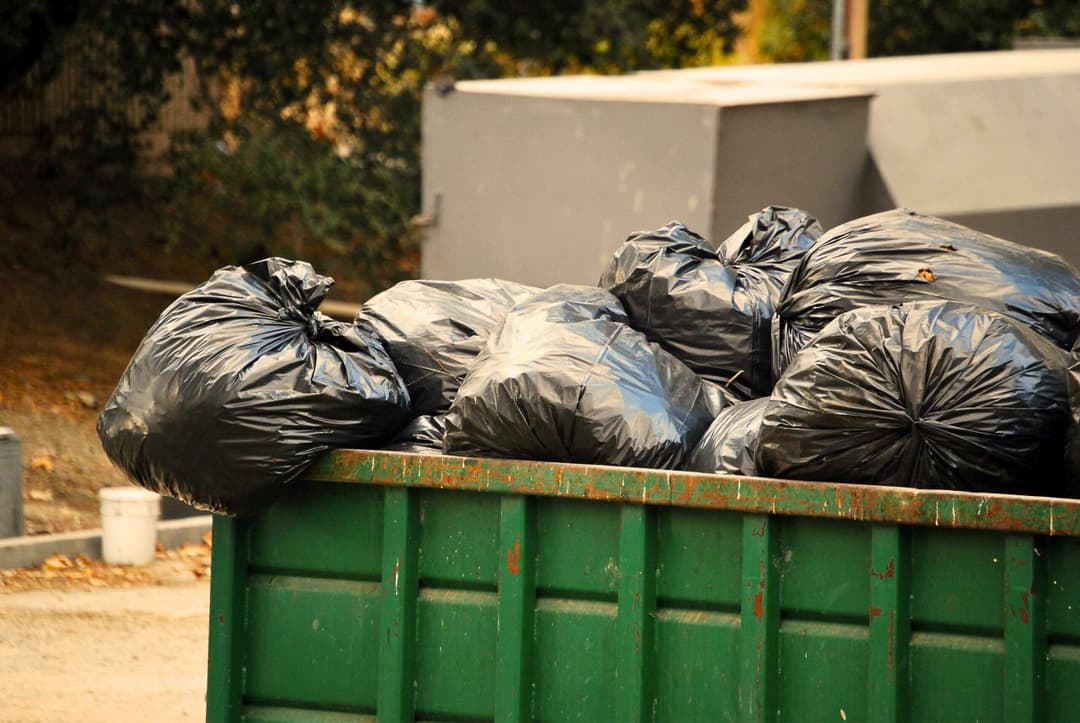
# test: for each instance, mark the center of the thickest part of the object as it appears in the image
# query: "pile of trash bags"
(895, 349)
(712, 307)
(566, 378)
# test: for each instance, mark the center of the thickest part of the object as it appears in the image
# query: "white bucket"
(129, 518)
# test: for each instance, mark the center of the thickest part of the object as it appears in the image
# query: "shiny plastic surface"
(1072, 437)
(730, 443)
(433, 331)
(711, 307)
(929, 394)
(565, 378)
(902, 255)
(241, 383)
(422, 435)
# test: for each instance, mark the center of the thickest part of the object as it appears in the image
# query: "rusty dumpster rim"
(842, 501)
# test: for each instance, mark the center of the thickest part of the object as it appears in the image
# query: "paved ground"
(116, 654)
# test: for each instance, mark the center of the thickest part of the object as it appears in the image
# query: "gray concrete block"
(34, 550)
(11, 484)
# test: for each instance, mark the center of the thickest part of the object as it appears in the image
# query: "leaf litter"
(187, 563)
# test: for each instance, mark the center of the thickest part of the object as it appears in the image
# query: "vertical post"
(837, 40)
(760, 623)
(635, 638)
(1025, 629)
(228, 611)
(858, 24)
(517, 609)
(12, 521)
(890, 623)
(397, 613)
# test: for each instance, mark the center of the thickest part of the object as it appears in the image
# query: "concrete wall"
(540, 183)
(986, 139)
(806, 154)
(541, 190)
(541, 179)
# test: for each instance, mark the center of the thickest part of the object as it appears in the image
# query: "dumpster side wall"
(413, 602)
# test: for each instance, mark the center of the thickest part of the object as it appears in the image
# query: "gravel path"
(129, 654)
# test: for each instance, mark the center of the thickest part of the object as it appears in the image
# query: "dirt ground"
(62, 351)
(128, 655)
(66, 336)
(81, 640)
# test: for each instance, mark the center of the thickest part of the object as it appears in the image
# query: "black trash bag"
(565, 378)
(422, 435)
(929, 394)
(712, 307)
(718, 397)
(1072, 438)
(901, 255)
(241, 383)
(730, 443)
(433, 331)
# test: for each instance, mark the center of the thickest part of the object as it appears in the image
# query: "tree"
(1051, 18)
(313, 142)
(28, 35)
(558, 36)
(798, 30)
(908, 27)
(795, 30)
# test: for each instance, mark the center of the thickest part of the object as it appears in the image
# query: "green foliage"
(907, 27)
(279, 189)
(604, 36)
(116, 54)
(316, 153)
(799, 30)
(312, 145)
(1051, 18)
(796, 30)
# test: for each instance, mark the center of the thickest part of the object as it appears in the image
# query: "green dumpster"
(441, 588)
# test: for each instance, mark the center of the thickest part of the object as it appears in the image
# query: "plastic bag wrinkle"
(433, 331)
(564, 378)
(712, 307)
(227, 398)
(928, 394)
(903, 256)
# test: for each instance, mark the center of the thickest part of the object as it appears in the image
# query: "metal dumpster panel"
(440, 588)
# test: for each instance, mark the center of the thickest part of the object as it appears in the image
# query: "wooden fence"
(24, 118)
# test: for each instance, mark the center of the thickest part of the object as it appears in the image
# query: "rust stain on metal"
(689, 486)
(513, 558)
(760, 531)
(874, 612)
(1024, 610)
(890, 571)
(759, 604)
(397, 570)
(832, 500)
(595, 492)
